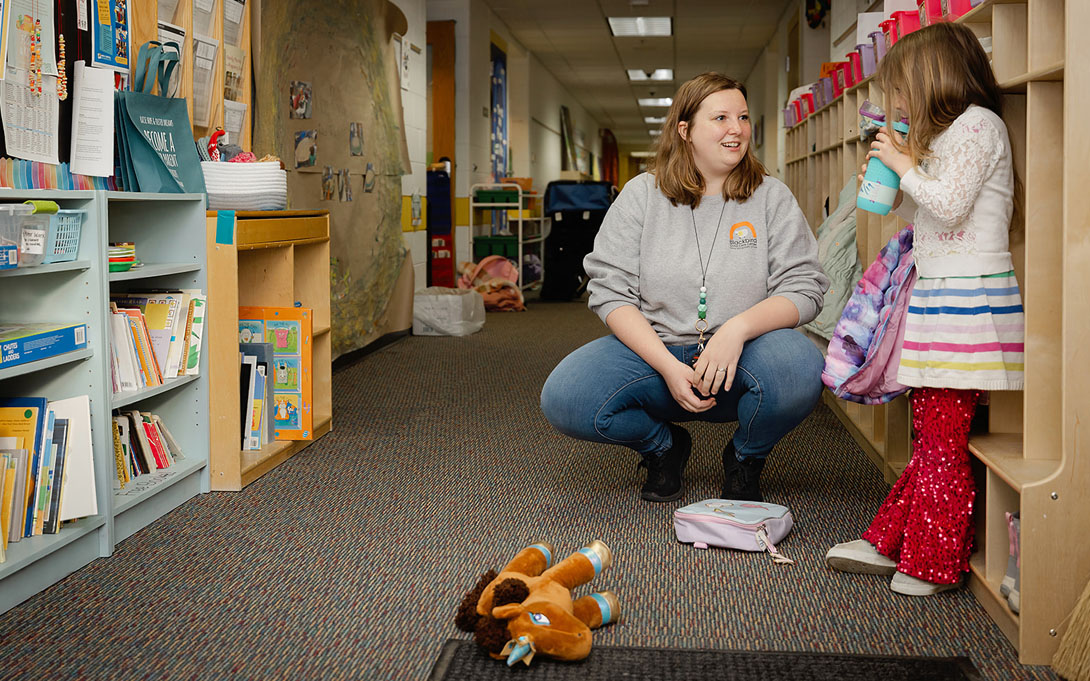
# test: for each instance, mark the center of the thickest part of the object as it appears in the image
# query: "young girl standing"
(965, 324)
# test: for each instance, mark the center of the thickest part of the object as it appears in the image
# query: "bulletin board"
(329, 106)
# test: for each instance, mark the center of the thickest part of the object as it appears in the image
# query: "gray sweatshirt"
(646, 255)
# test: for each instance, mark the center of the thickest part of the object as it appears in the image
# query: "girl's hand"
(715, 369)
(882, 148)
(679, 379)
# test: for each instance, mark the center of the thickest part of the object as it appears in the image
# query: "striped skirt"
(964, 332)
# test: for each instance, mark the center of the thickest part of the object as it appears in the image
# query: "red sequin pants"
(926, 522)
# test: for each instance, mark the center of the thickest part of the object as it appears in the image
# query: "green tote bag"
(155, 141)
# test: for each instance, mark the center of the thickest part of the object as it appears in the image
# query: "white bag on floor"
(441, 311)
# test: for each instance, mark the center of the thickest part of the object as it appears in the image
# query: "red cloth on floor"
(926, 522)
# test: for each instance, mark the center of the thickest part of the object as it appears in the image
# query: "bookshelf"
(1030, 459)
(272, 259)
(168, 231)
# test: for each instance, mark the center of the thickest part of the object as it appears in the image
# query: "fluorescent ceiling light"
(654, 120)
(641, 154)
(657, 74)
(626, 27)
(654, 132)
(655, 101)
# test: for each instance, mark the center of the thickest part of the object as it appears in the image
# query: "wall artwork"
(369, 179)
(329, 183)
(355, 139)
(300, 100)
(306, 148)
(344, 185)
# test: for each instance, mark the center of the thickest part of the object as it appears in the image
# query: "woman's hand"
(715, 369)
(881, 147)
(679, 379)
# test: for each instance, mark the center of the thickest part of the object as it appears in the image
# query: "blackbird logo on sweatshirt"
(742, 235)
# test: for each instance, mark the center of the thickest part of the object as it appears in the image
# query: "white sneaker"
(861, 557)
(913, 586)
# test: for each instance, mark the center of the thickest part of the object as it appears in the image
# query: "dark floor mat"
(460, 660)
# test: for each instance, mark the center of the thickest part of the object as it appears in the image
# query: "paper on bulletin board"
(234, 65)
(204, 63)
(21, 15)
(232, 21)
(5, 9)
(234, 114)
(92, 121)
(110, 41)
(30, 120)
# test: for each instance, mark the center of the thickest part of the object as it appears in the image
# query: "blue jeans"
(604, 392)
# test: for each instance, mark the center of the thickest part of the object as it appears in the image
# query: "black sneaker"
(664, 471)
(741, 479)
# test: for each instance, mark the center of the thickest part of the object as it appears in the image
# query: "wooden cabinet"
(272, 259)
(1032, 459)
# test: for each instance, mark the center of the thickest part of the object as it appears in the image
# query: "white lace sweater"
(961, 199)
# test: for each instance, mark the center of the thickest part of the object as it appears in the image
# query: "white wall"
(546, 98)
(415, 105)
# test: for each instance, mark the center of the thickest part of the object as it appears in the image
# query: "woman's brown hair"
(940, 70)
(675, 170)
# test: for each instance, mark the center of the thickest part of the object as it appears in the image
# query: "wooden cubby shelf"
(274, 259)
(1030, 459)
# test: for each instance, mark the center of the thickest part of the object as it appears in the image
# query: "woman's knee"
(786, 363)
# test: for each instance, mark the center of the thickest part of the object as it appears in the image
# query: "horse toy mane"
(527, 608)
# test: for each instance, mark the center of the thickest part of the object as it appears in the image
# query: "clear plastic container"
(12, 217)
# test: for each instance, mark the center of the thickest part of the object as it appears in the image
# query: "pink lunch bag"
(745, 525)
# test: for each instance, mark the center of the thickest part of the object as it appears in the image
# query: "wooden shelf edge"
(987, 594)
(280, 244)
(272, 456)
(1052, 73)
(1002, 453)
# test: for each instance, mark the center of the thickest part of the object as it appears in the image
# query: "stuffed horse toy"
(527, 608)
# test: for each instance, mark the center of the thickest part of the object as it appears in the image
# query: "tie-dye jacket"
(861, 364)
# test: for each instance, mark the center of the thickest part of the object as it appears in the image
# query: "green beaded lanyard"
(702, 307)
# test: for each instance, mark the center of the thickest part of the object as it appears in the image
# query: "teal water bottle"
(880, 184)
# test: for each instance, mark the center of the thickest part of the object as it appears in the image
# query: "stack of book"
(154, 336)
(256, 382)
(142, 444)
(47, 469)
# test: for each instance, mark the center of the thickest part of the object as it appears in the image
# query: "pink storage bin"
(866, 57)
(807, 103)
(855, 66)
(889, 29)
(838, 79)
(952, 9)
(929, 12)
(907, 22)
(798, 111)
(878, 42)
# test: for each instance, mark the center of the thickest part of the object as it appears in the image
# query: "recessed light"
(655, 101)
(627, 27)
(657, 74)
(654, 120)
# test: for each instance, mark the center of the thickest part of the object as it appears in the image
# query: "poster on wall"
(300, 99)
(355, 139)
(110, 24)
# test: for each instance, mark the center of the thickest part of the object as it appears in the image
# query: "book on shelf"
(52, 497)
(26, 342)
(161, 312)
(11, 469)
(43, 463)
(194, 335)
(176, 452)
(288, 330)
(13, 526)
(121, 465)
(264, 354)
(22, 426)
(78, 497)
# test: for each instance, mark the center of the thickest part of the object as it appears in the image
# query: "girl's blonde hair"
(675, 170)
(940, 70)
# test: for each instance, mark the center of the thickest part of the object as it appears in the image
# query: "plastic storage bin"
(907, 22)
(952, 9)
(62, 244)
(929, 12)
(484, 246)
(497, 196)
(866, 58)
(11, 233)
(878, 40)
(889, 31)
(855, 62)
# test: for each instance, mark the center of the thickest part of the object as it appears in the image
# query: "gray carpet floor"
(349, 560)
